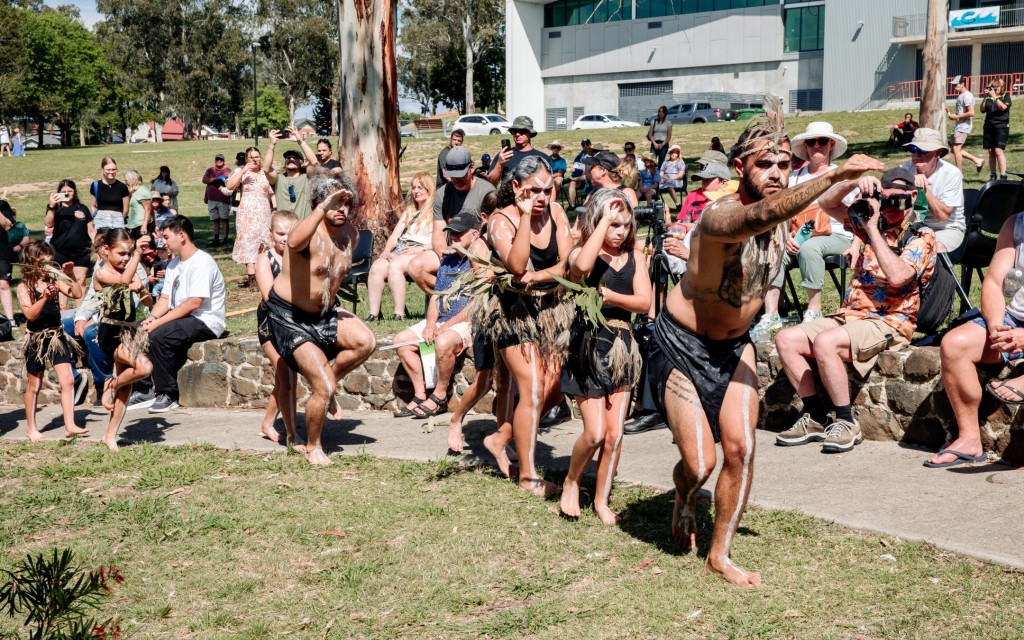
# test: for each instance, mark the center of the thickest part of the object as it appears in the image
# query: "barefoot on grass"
(607, 516)
(318, 457)
(499, 455)
(270, 433)
(725, 568)
(111, 444)
(35, 436)
(684, 523)
(455, 437)
(538, 487)
(109, 392)
(70, 431)
(570, 502)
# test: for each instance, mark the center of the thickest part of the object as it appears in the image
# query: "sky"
(90, 17)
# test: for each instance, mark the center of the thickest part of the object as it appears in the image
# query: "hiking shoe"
(81, 385)
(767, 324)
(811, 315)
(841, 436)
(163, 404)
(139, 400)
(804, 430)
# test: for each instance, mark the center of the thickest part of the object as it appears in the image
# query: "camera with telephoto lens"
(862, 210)
(650, 212)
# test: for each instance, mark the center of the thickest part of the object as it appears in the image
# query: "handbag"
(6, 329)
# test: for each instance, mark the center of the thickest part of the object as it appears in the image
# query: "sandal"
(441, 406)
(406, 412)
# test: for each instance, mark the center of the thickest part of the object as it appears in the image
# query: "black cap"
(585, 141)
(898, 178)
(292, 153)
(240, 157)
(605, 159)
(219, 156)
(463, 221)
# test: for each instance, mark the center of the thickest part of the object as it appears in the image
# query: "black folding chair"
(360, 270)
(791, 300)
(996, 201)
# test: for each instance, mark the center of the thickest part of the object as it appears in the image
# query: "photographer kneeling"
(880, 310)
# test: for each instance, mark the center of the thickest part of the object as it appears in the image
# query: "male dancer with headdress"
(307, 327)
(701, 364)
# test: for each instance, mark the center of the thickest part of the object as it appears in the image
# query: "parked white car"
(602, 121)
(481, 124)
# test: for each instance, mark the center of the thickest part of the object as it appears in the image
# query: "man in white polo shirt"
(942, 186)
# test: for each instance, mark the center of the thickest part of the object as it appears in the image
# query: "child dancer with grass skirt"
(47, 346)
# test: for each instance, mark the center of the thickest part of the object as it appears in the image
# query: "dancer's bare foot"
(724, 567)
(504, 465)
(455, 436)
(298, 442)
(109, 392)
(570, 502)
(538, 487)
(607, 516)
(510, 451)
(270, 433)
(333, 410)
(684, 523)
(35, 436)
(73, 430)
(318, 457)
(111, 444)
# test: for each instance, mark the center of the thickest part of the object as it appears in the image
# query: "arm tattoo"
(732, 220)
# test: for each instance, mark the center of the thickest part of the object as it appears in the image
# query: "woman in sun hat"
(819, 145)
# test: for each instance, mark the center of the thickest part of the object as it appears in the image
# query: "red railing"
(975, 84)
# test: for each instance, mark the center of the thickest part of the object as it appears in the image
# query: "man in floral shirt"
(880, 311)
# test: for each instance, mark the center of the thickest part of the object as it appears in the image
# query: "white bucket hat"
(818, 130)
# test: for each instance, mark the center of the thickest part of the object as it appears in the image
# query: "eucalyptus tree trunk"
(467, 36)
(933, 87)
(368, 122)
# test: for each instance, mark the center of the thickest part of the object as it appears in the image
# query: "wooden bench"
(429, 125)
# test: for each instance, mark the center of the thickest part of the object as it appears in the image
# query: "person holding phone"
(512, 153)
(996, 107)
(73, 231)
(252, 223)
(291, 185)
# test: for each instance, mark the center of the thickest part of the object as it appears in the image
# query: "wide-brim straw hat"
(818, 130)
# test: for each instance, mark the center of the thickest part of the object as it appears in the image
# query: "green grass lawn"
(216, 544)
(28, 181)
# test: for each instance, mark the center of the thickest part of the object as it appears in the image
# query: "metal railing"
(911, 90)
(916, 25)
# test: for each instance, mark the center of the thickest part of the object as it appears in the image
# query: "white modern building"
(625, 57)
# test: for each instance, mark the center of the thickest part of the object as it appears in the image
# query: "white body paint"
(748, 453)
(535, 410)
(615, 450)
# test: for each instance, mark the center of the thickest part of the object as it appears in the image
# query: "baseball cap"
(712, 156)
(956, 80)
(585, 141)
(219, 156)
(292, 153)
(463, 221)
(485, 159)
(605, 159)
(713, 170)
(457, 162)
(898, 178)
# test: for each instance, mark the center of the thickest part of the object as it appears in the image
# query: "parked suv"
(690, 112)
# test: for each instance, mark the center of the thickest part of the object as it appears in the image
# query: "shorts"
(35, 360)
(958, 138)
(1008, 321)
(868, 338)
(218, 210)
(83, 259)
(108, 220)
(950, 238)
(995, 137)
(291, 327)
(708, 365)
(263, 324)
(5, 270)
(483, 352)
(461, 328)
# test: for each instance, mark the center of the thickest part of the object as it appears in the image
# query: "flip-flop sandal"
(406, 412)
(422, 413)
(991, 390)
(961, 458)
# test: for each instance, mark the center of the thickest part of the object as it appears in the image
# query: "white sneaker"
(768, 324)
(811, 315)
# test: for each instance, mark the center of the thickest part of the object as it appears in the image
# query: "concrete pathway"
(880, 486)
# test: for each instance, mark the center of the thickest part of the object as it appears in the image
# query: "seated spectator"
(819, 145)
(481, 171)
(454, 140)
(673, 176)
(6, 260)
(165, 185)
(161, 210)
(632, 180)
(605, 170)
(994, 335)
(629, 150)
(411, 236)
(902, 133)
(879, 312)
(558, 166)
(579, 170)
(941, 184)
(649, 179)
(190, 309)
(712, 177)
(17, 236)
(446, 325)
(716, 145)
(730, 186)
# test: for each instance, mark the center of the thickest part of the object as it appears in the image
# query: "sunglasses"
(818, 142)
(916, 149)
(517, 132)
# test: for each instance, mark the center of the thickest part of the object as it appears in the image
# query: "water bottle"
(1013, 281)
(805, 232)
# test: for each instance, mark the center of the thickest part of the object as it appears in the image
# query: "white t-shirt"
(964, 101)
(802, 176)
(947, 183)
(197, 277)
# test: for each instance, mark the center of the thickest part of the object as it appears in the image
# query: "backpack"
(938, 295)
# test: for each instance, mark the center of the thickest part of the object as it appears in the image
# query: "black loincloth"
(291, 327)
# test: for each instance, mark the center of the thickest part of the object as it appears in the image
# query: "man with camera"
(879, 312)
(291, 186)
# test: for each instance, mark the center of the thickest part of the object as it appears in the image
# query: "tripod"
(659, 270)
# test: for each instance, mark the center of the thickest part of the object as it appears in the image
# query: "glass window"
(805, 29)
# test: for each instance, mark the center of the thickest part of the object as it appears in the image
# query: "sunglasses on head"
(818, 142)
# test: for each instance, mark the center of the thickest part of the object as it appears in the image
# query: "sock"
(814, 407)
(844, 412)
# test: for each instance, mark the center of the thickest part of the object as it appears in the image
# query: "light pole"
(255, 101)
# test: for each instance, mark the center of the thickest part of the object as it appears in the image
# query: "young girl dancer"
(268, 267)
(528, 318)
(119, 336)
(47, 345)
(604, 362)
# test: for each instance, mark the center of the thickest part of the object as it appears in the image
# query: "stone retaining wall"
(902, 399)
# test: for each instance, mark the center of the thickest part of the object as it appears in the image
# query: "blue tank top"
(452, 266)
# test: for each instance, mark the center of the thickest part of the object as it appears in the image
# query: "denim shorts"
(1008, 321)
